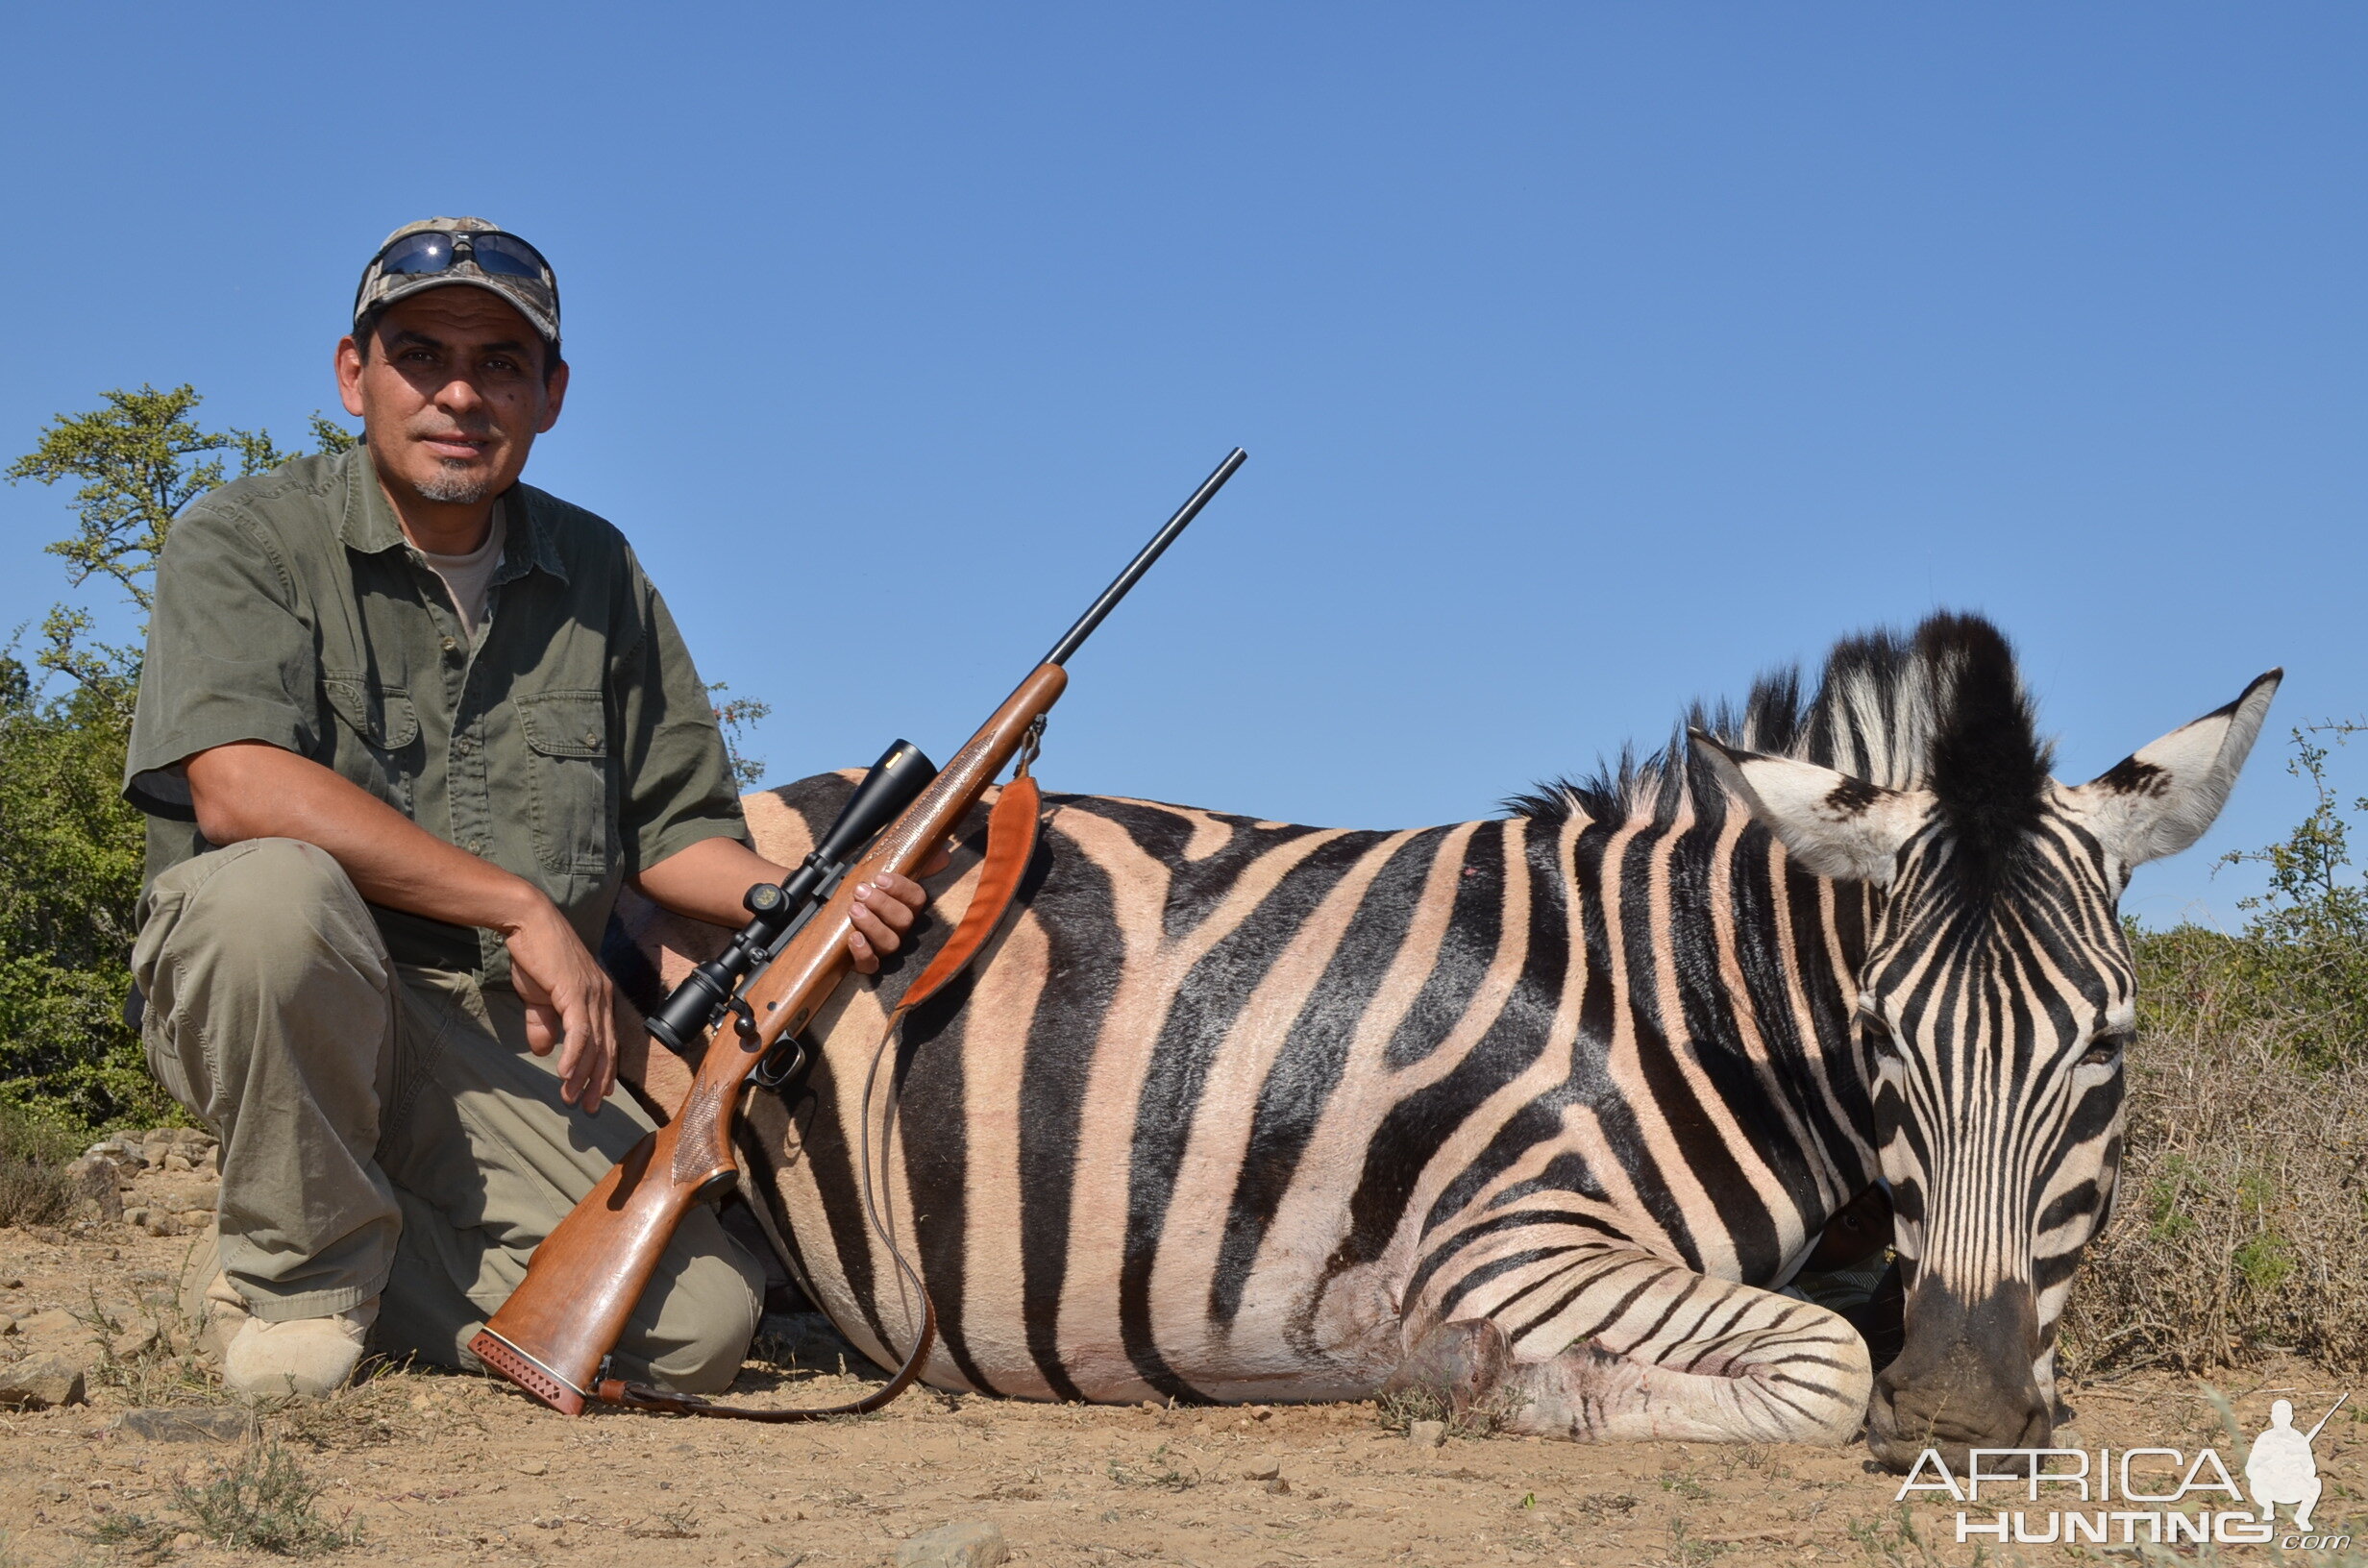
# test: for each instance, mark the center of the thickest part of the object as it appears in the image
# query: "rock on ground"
(977, 1543)
(41, 1382)
(186, 1426)
(95, 1188)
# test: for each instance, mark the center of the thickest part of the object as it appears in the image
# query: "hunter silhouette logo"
(2139, 1496)
(2282, 1469)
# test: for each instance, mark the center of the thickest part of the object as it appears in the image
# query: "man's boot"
(304, 1356)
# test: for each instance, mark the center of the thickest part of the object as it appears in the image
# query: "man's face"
(452, 394)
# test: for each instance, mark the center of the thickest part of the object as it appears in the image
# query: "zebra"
(1531, 1113)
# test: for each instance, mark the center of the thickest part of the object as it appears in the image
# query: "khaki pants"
(386, 1132)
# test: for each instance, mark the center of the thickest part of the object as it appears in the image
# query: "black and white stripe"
(1240, 1110)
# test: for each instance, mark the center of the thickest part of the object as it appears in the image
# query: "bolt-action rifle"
(552, 1338)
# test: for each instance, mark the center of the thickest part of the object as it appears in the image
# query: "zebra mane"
(1941, 709)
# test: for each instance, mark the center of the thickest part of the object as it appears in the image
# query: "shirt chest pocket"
(377, 746)
(570, 785)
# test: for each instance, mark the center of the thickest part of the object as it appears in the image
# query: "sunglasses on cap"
(433, 249)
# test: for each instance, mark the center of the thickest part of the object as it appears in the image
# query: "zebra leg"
(1611, 1345)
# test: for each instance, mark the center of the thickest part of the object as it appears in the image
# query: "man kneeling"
(405, 728)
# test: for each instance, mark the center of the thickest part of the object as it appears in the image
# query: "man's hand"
(570, 1002)
(882, 912)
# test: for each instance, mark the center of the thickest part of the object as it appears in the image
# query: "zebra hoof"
(1464, 1361)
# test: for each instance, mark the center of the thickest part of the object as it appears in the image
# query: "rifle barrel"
(1077, 635)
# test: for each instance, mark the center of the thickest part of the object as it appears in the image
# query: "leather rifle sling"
(1011, 842)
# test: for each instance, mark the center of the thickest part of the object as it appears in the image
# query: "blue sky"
(1591, 357)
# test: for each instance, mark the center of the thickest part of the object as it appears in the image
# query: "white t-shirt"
(469, 578)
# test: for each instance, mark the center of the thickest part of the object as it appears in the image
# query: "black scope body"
(894, 781)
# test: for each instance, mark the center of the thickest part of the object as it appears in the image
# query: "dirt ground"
(432, 1467)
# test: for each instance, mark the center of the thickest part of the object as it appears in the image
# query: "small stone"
(533, 1467)
(1426, 1434)
(1259, 1412)
(95, 1186)
(178, 1161)
(11, 1283)
(8, 1325)
(139, 1214)
(41, 1384)
(53, 1320)
(157, 1224)
(186, 1426)
(187, 1541)
(1279, 1486)
(132, 1343)
(975, 1544)
(1266, 1467)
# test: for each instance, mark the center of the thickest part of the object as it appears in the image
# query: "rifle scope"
(775, 911)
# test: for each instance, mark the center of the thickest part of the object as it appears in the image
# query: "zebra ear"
(2160, 798)
(1833, 824)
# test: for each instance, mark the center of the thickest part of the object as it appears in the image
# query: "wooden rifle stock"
(585, 1279)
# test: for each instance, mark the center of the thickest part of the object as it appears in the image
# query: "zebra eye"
(2105, 1049)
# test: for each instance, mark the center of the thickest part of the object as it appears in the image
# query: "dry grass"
(262, 1501)
(34, 1187)
(1483, 1417)
(2241, 1226)
(148, 1360)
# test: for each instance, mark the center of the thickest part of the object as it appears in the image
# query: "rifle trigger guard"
(784, 1061)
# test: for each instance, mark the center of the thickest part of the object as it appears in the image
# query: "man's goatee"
(456, 486)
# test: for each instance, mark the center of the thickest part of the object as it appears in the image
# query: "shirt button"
(477, 847)
(451, 645)
(591, 738)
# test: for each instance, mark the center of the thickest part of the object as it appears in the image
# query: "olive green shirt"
(572, 743)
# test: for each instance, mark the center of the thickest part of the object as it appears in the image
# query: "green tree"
(70, 854)
(737, 718)
(2308, 934)
(141, 459)
(71, 850)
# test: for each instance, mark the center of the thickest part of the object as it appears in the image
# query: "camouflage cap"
(395, 274)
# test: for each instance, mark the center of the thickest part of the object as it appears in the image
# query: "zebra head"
(1995, 1002)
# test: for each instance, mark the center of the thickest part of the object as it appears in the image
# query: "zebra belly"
(1052, 1300)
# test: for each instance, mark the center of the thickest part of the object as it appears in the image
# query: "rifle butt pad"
(538, 1382)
